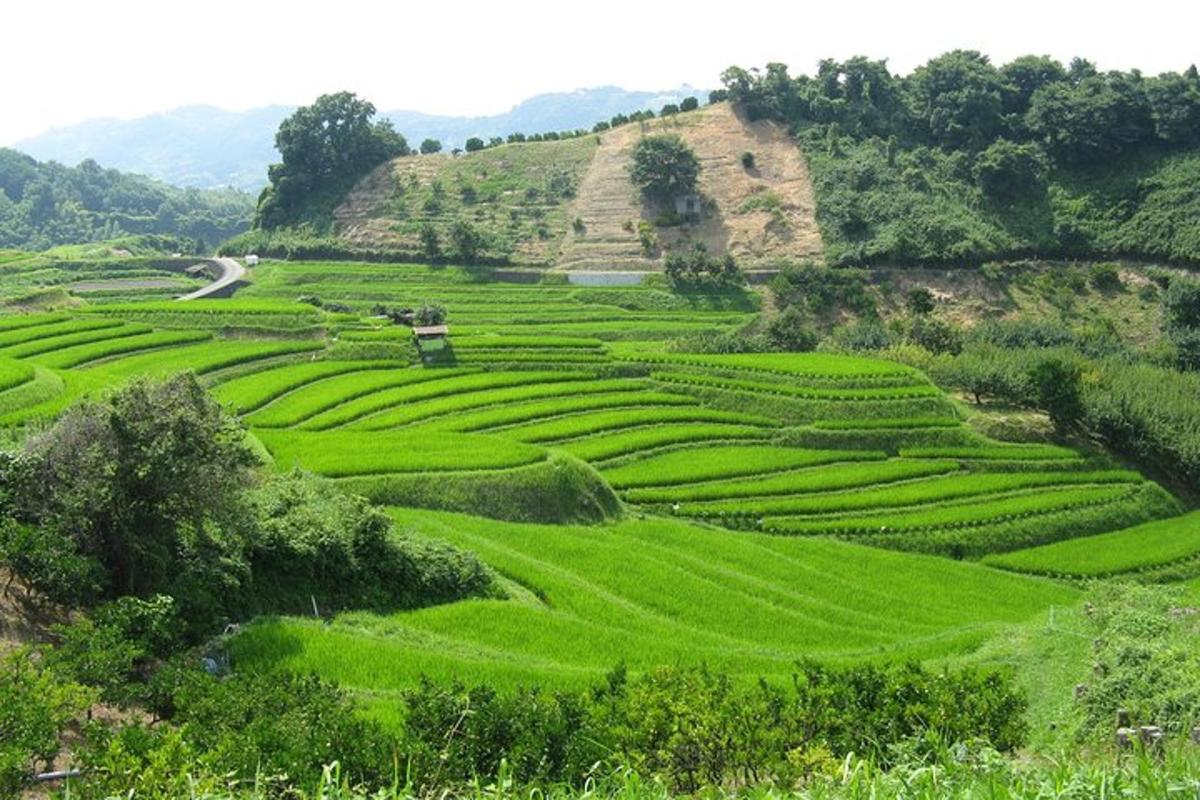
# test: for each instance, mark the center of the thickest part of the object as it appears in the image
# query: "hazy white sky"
(69, 61)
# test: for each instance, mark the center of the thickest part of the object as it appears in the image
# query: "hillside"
(571, 204)
(209, 147)
(44, 204)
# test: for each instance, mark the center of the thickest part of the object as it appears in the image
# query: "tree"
(1027, 74)
(1098, 117)
(324, 147)
(689, 104)
(467, 241)
(664, 167)
(792, 331)
(1007, 170)
(1056, 388)
(959, 99)
(474, 144)
(431, 243)
(668, 110)
(147, 483)
(430, 146)
(430, 314)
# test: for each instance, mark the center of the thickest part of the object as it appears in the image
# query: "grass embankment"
(655, 591)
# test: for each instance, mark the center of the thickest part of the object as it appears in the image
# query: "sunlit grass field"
(742, 511)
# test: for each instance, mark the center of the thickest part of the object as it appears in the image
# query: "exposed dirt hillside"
(571, 204)
(759, 214)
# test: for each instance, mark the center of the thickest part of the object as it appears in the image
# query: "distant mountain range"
(208, 147)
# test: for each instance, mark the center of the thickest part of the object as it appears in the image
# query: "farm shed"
(430, 337)
(687, 205)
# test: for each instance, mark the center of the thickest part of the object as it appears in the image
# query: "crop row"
(343, 454)
(530, 356)
(203, 357)
(538, 342)
(383, 400)
(827, 478)
(1149, 545)
(935, 516)
(452, 408)
(893, 423)
(1146, 502)
(13, 373)
(16, 321)
(20, 402)
(313, 398)
(16, 336)
(726, 461)
(916, 492)
(573, 426)
(817, 366)
(517, 413)
(51, 343)
(613, 445)
(247, 393)
(998, 452)
(800, 392)
(107, 348)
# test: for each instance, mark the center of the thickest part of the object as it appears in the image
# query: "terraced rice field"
(745, 510)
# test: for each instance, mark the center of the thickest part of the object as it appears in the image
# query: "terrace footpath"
(231, 272)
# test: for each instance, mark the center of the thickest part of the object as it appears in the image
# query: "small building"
(251, 260)
(430, 337)
(687, 205)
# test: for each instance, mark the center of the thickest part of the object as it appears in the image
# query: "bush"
(313, 541)
(474, 144)
(820, 290)
(920, 301)
(689, 104)
(692, 727)
(867, 334)
(792, 331)
(35, 708)
(698, 268)
(430, 314)
(748, 160)
(1105, 276)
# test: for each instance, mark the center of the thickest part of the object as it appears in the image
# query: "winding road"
(231, 272)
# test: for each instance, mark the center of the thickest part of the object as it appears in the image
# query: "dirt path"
(231, 272)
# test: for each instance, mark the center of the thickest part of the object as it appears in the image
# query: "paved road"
(231, 272)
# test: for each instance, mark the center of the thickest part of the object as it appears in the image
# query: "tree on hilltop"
(324, 147)
(430, 146)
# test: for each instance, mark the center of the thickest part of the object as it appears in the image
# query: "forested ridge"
(44, 204)
(966, 161)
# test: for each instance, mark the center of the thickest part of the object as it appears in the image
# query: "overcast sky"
(69, 61)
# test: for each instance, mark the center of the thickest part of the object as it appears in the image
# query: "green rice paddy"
(748, 510)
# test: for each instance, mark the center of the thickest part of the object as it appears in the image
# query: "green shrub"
(35, 709)
(312, 541)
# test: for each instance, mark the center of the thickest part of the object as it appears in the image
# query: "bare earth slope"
(527, 198)
(608, 202)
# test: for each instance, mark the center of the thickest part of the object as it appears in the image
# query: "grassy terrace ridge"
(1153, 544)
(589, 605)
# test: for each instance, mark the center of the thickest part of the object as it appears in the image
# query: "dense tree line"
(47, 204)
(324, 148)
(963, 160)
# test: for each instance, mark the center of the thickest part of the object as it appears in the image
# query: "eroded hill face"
(759, 214)
(571, 204)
